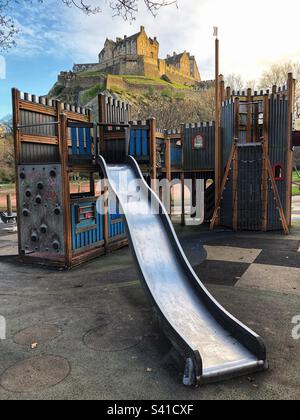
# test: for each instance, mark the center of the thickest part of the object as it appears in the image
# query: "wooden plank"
(38, 108)
(76, 117)
(277, 197)
(29, 138)
(114, 135)
(160, 136)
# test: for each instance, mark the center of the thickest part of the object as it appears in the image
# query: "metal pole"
(217, 122)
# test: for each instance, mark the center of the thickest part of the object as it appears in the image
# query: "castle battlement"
(138, 54)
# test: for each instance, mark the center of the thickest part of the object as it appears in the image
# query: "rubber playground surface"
(90, 332)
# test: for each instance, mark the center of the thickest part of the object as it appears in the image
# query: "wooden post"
(249, 115)
(153, 158)
(105, 215)
(289, 171)
(228, 93)
(225, 178)
(265, 151)
(255, 123)
(92, 184)
(222, 89)
(168, 166)
(194, 190)
(63, 152)
(103, 118)
(168, 157)
(235, 165)
(17, 147)
(217, 127)
(182, 199)
(277, 197)
(101, 109)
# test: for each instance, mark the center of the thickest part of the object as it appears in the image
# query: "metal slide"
(212, 344)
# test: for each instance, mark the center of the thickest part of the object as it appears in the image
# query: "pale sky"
(253, 35)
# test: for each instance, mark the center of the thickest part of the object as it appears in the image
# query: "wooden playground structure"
(244, 158)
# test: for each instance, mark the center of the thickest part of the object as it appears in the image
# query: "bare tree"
(251, 84)
(277, 74)
(129, 8)
(171, 110)
(125, 8)
(235, 81)
(8, 29)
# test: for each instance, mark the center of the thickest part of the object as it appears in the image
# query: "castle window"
(278, 172)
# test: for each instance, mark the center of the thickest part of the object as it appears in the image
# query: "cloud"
(253, 35)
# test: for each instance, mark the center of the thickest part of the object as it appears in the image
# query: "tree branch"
(127, 9)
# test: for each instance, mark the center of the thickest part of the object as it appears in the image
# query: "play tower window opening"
(278, 172)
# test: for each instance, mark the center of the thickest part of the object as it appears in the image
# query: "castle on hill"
(139, 55)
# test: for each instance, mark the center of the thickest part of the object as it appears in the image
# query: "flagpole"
(217, 121)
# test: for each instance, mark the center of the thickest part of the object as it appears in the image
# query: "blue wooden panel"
(74, 243)
(96, 235)
(74, 141)
(138, 143)
(176, 155)
(145, 143)
(81, 141)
